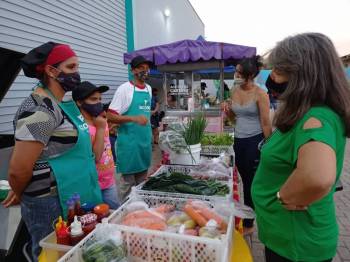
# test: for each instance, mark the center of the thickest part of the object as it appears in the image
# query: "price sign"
(179, 90)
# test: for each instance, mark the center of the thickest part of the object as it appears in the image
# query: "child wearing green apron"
(88, 99)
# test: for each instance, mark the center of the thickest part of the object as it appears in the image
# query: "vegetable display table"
(240, 251)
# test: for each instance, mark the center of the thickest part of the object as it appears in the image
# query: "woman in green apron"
(52, 157)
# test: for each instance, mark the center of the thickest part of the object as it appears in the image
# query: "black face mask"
(68, 81)
(274, 87)
(143, 75)
(93, 109)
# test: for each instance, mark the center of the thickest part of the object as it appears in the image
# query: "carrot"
(164, 208)
(191, 232)
(210, 214)
(143, 214)
(146, 223)
(196, 216)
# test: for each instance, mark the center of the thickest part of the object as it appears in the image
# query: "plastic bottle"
(102, 211)
(71, 211)
(89, 222)
(76, 232)
(62, 234)
(77, 205)
(87, 207)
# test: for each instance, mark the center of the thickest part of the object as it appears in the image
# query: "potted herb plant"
(192, 133)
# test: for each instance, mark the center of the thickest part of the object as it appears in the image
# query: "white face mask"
(238, 81)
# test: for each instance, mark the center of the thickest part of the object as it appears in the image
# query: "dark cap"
(138, 60)
(85, 89)
(34, 58)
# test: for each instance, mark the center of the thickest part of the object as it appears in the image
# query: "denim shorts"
(39, 214)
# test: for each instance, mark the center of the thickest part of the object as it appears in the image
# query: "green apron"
(75, 170)
(134, 149)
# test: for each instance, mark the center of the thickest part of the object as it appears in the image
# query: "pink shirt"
(105, 166)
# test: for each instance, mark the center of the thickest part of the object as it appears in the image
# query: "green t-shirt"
(309, 235)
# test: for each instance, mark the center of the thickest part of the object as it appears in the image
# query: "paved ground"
(342, 200)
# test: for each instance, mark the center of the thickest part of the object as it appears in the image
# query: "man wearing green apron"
(130, 108)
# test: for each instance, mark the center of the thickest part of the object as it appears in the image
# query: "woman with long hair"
(302, 160)
(250, 107)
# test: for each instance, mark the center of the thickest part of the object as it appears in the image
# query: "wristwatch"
(279, 198)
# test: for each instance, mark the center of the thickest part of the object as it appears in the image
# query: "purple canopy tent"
(189, 56)
(191, 51)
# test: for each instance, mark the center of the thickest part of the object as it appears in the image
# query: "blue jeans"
(110, 197)
(39, 213)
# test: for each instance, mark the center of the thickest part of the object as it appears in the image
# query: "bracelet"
(279, 198)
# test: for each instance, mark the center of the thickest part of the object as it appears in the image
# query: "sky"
(262, 23)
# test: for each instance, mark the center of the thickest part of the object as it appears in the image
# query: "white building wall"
(151, 27)
(96, 30)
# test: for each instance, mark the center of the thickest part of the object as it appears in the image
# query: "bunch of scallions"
(194, 130)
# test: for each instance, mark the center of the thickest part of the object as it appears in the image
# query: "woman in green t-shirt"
(302, 160)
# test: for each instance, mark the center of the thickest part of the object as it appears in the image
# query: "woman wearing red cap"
(52, 158)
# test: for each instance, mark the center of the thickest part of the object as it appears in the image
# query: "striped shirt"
(39, 118)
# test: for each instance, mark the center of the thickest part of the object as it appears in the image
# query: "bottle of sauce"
(87, 207)
(77, 205)
(71, 211)
(89, 222)
(62, 233)
(102, 211)
(76, 232)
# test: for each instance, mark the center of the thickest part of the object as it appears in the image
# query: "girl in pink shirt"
(88, 99)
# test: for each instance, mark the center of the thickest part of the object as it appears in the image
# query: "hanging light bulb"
(167, 12)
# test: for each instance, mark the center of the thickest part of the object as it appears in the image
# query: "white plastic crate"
(75, 254)
(185, 170)
(52, 251)
(151, 245)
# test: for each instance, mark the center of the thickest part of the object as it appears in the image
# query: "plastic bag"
(107, 245)
(215, 168)
(180, 222)
(105, 231)
(137, 205)
(104, 251)
(151, 218)
(211, 230)
(202, 213)
(172, 141)
(243, 211)
(235, 208)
